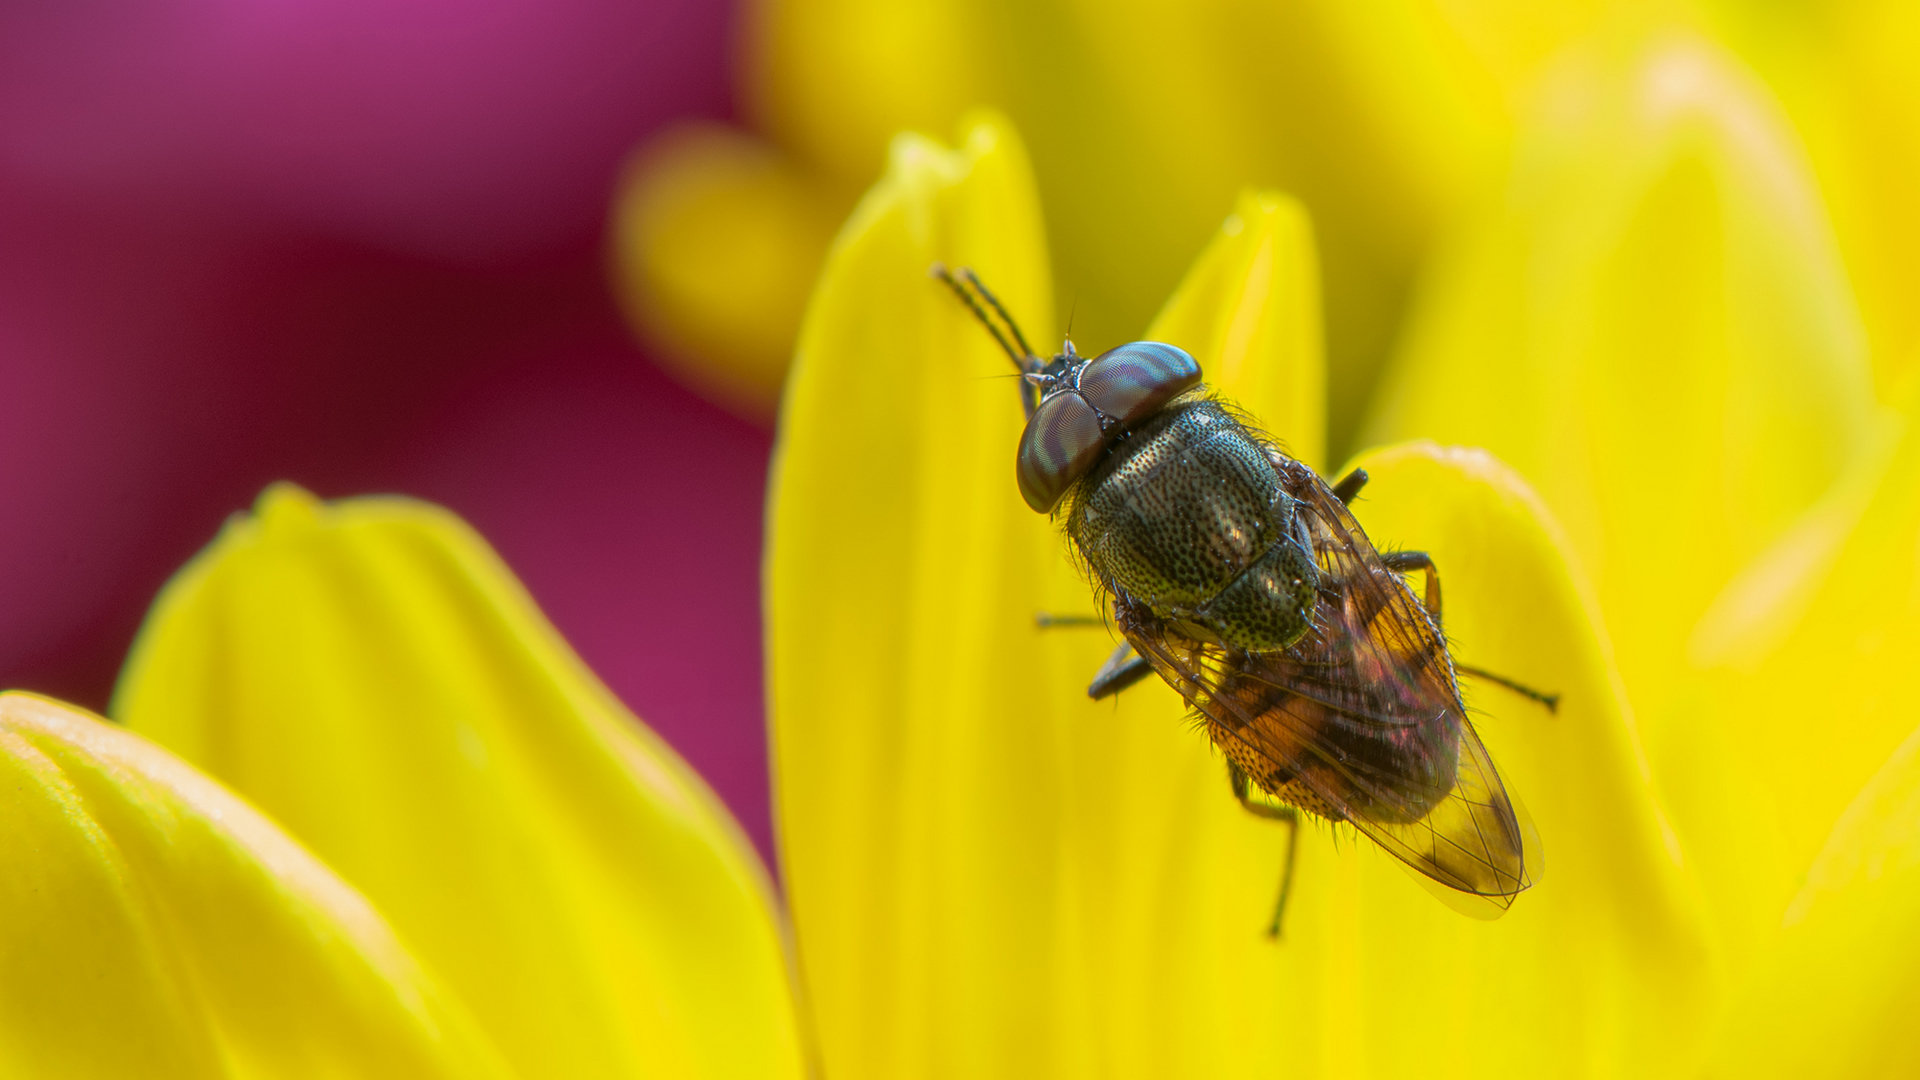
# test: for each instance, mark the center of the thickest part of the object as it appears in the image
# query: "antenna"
(1022, 361)
(974, 280)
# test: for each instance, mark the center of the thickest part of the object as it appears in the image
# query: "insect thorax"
(1186, 515)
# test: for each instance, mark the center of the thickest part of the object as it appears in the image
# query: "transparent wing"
(1360, 720)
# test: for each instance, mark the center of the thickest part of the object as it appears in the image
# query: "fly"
(1241, 578)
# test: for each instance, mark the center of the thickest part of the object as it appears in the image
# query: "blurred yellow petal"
(371, 675)
(1251, 306)
(991, 875)
(1516, 41)
(1148, 118)
(1652, 326)
(1608, 962)
(1845, 72)
(153, 925)
(834, 79)
(1837, 993)
(716, 239)
(1793, 718)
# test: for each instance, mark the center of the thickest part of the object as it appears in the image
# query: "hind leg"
(1401, 562)
(1285, 815)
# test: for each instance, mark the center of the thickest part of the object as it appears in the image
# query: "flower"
(1653, 326)
(1387, 124)
(447, 850)
(1841, 76)
(1145, 119)
(990, 875)
(157, 925)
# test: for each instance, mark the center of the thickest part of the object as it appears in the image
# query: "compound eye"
(1061, 443)
(1129, 382)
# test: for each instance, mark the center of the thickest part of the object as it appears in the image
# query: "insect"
(1241, 578)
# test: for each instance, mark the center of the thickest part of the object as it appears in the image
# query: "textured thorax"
(1187, 515)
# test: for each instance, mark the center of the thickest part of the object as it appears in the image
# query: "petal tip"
(26, 708)
(286, 506)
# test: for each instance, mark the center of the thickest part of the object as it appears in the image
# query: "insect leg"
(1122, 669)
(1350, 485)
(1551, 701)
(1404, 561)
(1286, 815)
(1401, 562)
(1047, 620)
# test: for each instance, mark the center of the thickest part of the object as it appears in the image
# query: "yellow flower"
(1653, 326)
(1145, 118)
(990, 875)
(487, 868)
(155, 925)
(1843, 73)
(1386, 120)
(476, 864)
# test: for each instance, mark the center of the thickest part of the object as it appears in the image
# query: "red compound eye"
(1061, 443)
(1129, 383)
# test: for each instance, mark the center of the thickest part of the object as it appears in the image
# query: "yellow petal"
(837, 78)
(1836, 994)
(1514, 42)
(1251, 306)
(1606, 966)
(716, 239)
(371, 675)
(1146, 119)
(1794, 714)
(991, 875)
(1651, 326)
(1845, 74)
(892, 530)
(153, 925)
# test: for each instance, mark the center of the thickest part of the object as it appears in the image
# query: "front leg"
(1350, 485)
(1124, 668)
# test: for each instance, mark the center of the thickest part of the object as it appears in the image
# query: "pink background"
(357, 244)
